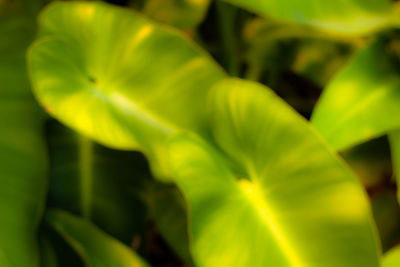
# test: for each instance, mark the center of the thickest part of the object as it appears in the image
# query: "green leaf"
(168, 210)
(95, 247)
(346, 17)
(109, 73)
(394, 139)
(359, 103)
(93, 181)
(392, 258)
(287, 201)
(22, 150)
(183, 14)
(55, 251)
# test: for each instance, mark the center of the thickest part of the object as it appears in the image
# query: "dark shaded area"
(160, 254)
(118, 2)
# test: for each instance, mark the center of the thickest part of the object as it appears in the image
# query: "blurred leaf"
(276, 47)
(392, 258)
(167, 209)
(349, 17)
(289, 201)
(387, 217)
(183, 14)
(359, 103)
(22, 150)
(269, 46)
(55, 251)
(319, 59)
(93, 181)
(110, 74)
(94, 246)
(394, 138)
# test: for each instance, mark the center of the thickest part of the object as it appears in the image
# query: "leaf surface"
(111, 74)
(392, 258)
(94, 246)
(183, 14)
(359, 103)
(344, 17)
(279, 196)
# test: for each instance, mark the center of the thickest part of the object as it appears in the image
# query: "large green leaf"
(22, 149)
(359, 103)
(392, 258)
(95, 247)
(95, 182)
(110, 74)
(342, 17)
(287, 201)
(183, 14)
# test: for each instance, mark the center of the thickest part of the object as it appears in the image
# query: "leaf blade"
(90, 66)
(280, 199)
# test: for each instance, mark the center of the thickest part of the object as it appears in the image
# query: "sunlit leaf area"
(199, 133)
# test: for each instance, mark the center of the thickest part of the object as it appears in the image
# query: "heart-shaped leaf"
(111, 74)
(287, 200)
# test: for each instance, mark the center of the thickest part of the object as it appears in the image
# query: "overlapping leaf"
(343, 17)
(95, 247)
(183, 14)
(114, 76)
(287, 200)
(359, 103)
(392, 258)
(167, 209)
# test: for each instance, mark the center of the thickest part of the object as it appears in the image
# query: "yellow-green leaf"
(111, 74)
(392, 258)
(279, 196)
(345, 17)
(183, 14)
(359, 103)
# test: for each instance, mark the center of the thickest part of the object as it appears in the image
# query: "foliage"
(145, 152)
